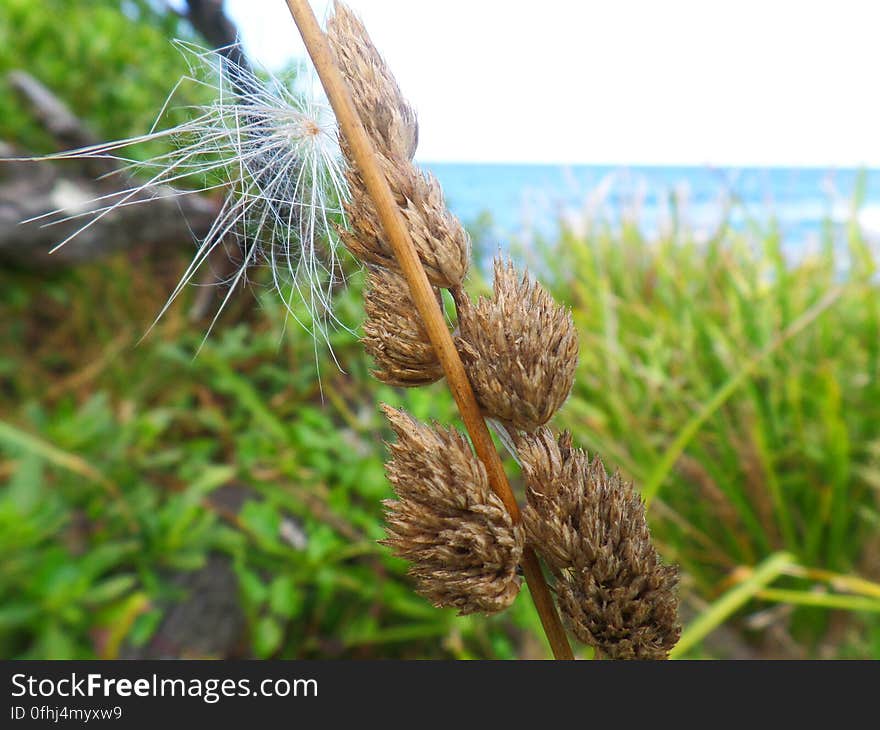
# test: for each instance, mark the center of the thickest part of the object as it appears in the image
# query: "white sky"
(766, 82)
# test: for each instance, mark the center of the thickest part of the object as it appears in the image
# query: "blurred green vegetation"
(111, 62)
(113, 450)
(739, 391)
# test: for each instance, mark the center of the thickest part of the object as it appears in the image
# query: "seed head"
(388, 118)
(442, 243)
(591, 530)
(394, 335)
(461, 542)
(520, 348)
(439, 238)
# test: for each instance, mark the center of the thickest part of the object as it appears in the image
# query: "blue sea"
(803, 203)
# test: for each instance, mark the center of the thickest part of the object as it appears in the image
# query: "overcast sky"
(765, 82)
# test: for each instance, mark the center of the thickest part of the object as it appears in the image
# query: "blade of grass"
(819, 600)
(17, 438)
(731, 601)
(659, 473)
(838, 581)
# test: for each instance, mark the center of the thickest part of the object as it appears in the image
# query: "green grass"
(739, 391)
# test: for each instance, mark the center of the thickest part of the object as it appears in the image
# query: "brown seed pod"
(461, 543)
(388, 118)
(441, 241)
(394, 335)
(520, 349)
(439, 238)
(591, 530)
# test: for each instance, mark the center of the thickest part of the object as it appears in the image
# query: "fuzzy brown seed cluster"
(591, 530)
(520, 348)
(394, 335)
(520, 352)
(388, 118)
(441, 241)
(461, 543)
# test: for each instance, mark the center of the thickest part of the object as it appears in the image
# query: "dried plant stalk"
(462, 540)
(394, 231)
(440, 239)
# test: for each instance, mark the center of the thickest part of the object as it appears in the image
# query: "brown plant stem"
(420, 289)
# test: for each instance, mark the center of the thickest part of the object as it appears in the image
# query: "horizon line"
(688, 165)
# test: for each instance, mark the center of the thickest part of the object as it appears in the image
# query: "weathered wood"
(31, 189)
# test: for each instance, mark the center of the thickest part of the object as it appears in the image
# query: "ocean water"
(525, 199)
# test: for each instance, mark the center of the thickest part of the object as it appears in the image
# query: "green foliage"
(740, 391)
(114, 452)
(110, 61)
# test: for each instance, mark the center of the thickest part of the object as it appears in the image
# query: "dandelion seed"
(274, 150)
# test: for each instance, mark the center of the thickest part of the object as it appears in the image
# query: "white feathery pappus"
(271, 149)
